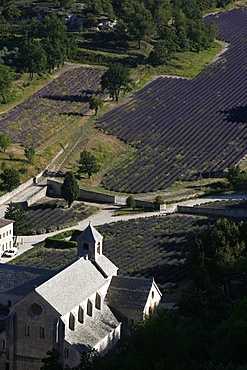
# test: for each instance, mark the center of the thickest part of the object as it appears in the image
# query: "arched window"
(89, 308)
(41, 332)
(98, 248)
(98, 301)
(27, 331)
(81, 315)
(152, 294)
(71, 321)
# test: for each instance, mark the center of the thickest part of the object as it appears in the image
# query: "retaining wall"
(54, 190)
(230, 212)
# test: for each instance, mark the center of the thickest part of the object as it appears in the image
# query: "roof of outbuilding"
(72, 285)
(128, 292)
(106, 265)
(22, 280)
(5, 222)
(90, 234)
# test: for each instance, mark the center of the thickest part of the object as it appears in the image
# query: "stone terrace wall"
(229, 212)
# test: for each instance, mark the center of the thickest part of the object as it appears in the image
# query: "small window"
(98, 248)
(81, 315)
(3, 235)
(71, 321)
(89, 308)
(3, 344)
(9, 244)
(66, 352)
(0, 236)
(98, 301)
(7, 233)
(27, 331)
(6, 365)
(42, 332)
(9, 303)
(86, 246)
(152, 294)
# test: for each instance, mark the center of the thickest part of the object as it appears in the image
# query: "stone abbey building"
(83, 306)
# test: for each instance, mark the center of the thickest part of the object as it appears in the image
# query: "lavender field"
(184, 129)
(49, 110)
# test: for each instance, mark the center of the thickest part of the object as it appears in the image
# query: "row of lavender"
(186, 128)
(47, 111)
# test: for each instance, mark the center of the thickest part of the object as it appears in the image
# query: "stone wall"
(54, 190)
(230, 212)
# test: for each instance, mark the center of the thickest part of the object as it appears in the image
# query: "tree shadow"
(71, 98)
(236, 114)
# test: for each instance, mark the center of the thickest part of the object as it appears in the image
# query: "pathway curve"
(106, 214)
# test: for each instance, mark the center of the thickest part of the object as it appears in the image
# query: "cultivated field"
(146, 247)
(184, 129)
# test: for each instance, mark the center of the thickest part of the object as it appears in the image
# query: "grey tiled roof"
(94, 329)
(89, 235)
(128, 292)
(72, 285)
(106, 265)
(22, 280)
(5, 222)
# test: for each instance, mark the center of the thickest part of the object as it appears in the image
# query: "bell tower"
(89, 242)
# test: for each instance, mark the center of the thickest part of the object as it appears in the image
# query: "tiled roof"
(128, 292)
(5, 222)
(22, 280)
(89, 235)
(94, 329)
(106, 265)
(72, 285)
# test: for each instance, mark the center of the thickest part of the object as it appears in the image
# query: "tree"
(130, 201)
(160, 54)
(5, 142)
(10, 178)
(88, 163)
(6, 78)
(34, 58)
(158, 201)
(70, 189)
(215, 254)
(29, 154)
(51, 361)
(95, 103)
(22, 224)
(115, 79)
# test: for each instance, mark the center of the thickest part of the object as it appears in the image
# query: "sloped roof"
(94, 329)
(5, 222)
(128, 292)
(72, 285)
(106, 265)
(22, 280)
(89, 235)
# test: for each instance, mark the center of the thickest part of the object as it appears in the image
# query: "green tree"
(34, 58)
(70, 189)
(215, 254)
(116, 79)
(158, 201)
(88, 163)
(22, 224)
(160, 54)
(10, 178)
(130, 202)
(29, 154)
(6, 78)
(51, 361)
(95, 103)
(5, 142)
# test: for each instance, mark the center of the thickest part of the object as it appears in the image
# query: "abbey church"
(83, 306)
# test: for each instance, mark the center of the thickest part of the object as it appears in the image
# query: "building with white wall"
(6, 235)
